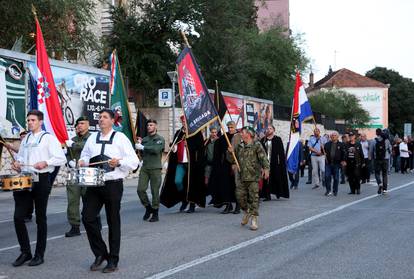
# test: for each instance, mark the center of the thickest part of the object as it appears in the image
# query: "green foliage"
(225, 40)
(340, 105)
(400, 97)
(64, 24)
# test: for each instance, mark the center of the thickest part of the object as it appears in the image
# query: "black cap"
(351, 133)
(82, 118)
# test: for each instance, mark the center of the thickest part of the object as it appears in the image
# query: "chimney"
(311, 79)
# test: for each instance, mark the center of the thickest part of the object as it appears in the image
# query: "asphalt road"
(307, 236)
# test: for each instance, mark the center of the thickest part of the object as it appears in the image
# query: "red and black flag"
(198, 107)
(219, 103)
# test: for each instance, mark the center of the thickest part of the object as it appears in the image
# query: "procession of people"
(238, 170)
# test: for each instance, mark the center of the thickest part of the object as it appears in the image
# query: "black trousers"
(109, 195)
(23, 202)
(366, 170)
(404, 164)
(354, 176)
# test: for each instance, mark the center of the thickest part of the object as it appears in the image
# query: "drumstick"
(100, 162)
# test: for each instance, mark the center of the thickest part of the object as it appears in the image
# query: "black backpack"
(380, 149)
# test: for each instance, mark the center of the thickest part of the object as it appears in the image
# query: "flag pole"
(221, 123)
(218, 101)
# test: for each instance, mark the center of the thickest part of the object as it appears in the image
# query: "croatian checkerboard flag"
(301, 111)
(47, 98)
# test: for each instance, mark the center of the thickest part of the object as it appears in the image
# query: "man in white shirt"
(39, 154)
(116, 150)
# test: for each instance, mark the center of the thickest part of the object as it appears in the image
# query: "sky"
(355, 34)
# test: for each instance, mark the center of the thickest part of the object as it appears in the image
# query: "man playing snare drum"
(74, 192)
(39, 154)
(113, 152)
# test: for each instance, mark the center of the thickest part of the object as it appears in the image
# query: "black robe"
(222, 184)
(278, 180)
(194, 188)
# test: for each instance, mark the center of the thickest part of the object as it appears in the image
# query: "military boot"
(254, 226)
(245, 218)
(74, 231)
(148, 211)
(154, 217)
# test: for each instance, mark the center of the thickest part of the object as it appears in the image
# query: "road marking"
(58, 212)
(244, 244)
(34, 242)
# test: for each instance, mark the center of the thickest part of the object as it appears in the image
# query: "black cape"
(278, 180)
(194, 188)
(222, 184)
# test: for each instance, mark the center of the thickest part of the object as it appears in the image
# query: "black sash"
(102, 156)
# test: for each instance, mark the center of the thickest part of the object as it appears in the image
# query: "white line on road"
(34, 242)
(244, 244)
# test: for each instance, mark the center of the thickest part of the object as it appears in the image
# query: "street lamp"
(173, 75)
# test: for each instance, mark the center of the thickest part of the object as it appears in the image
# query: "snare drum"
(17, 182)
(87, 177)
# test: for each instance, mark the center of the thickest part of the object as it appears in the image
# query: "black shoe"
(379, 192)
(315, 187)
(351, 193)
(228, 209)
(37, 260)
(110, 267)
(148, 211)
(358, 192)
(363, 181)
(154, 217)
(192, 208)
(326, 193)
(74, 231)
(267, 199)
(342, 182)
(237, 209)
(309, 182)
(97, 263)
(24, 257)
(183, 206)
(335, 194)
(28, 219)
(291, 186)
(296, 187)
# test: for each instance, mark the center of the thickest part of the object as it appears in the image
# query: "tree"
(145, 37)
(224, 38)
(340, 105)
(400, 97)
(64, 25)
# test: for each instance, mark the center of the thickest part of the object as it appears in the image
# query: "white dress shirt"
(404, 150)
(34, 149)
(121, 148)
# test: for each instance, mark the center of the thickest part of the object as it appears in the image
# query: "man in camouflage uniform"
(74, 192)
(152, 147)
(252, 158)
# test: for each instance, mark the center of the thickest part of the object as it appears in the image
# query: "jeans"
(332, 170)
(381, 166)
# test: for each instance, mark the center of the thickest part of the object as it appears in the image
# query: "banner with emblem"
(199, 110)
(12, 98)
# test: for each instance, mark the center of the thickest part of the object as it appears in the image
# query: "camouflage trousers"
(247, 194)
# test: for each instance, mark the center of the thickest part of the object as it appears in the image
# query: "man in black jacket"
(335, 157)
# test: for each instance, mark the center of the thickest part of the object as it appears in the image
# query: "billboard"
(259, 115)
(12, 98)
(80, 93)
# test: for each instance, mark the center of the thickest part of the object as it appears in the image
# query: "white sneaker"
(330, 194)
(384, 192)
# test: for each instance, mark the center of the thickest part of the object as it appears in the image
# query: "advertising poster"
(80, 94)
(258, 115)
(12, 98)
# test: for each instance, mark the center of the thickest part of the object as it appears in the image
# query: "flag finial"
(185, 39)
(34, 11)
